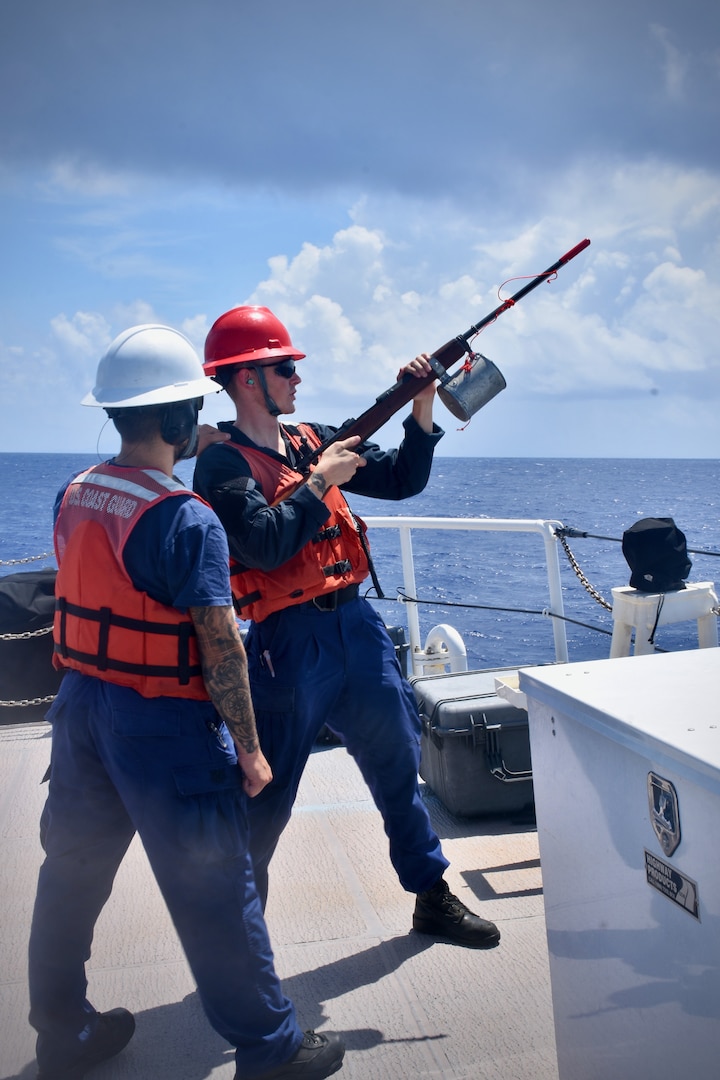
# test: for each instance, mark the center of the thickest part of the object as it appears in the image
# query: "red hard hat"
(245, 335)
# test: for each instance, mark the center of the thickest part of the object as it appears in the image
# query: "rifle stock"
(403, 391)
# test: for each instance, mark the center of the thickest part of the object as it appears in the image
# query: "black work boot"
(110, 1034)
(318, 1056)
(440, 913)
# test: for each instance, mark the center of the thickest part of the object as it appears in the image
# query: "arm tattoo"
(318, 484)
(224, 668)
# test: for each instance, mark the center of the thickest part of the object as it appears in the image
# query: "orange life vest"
(333, 559)
(104, 626)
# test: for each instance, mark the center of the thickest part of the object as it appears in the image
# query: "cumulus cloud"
(377, 198)
(86, 333)
(635, 308)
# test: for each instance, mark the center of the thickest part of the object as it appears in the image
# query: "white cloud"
(157, 194)
(636, 303)
(136, 313)
(24, 373)
(675, 64)
(346, 267)
(86, 333)
(86, 179)
(634, 314)
(196, 329)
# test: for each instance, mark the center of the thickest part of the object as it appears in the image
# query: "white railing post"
(545, 529)
(410, 588)
(552, 563)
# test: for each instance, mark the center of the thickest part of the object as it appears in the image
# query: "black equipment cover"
(656, 552)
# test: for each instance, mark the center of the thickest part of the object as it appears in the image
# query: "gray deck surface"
(340, 926)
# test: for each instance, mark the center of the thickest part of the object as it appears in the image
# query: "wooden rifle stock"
(406, 388)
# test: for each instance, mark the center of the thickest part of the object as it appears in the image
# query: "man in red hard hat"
(318, 653)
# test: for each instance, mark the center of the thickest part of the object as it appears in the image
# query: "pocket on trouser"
(211, 812)
(207, 779)
(181, 779)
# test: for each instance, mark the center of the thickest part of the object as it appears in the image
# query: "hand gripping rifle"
(443, 358)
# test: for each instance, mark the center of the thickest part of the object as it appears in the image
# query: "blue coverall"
(327, 667)
(166, 768)
(339, 668)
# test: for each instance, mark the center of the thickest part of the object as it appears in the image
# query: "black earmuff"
(179, 425)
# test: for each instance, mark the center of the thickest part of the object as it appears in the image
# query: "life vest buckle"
(344, 566)
(332, 532)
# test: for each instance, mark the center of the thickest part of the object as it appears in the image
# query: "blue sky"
(373, 172)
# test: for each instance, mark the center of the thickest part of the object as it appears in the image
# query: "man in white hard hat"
(153, 731)
(318, 652)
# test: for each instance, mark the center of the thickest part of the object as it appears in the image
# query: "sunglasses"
(284, 368)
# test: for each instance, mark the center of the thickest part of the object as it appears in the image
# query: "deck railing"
(421, 659)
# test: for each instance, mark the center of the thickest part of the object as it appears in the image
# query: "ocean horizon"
(462, 575)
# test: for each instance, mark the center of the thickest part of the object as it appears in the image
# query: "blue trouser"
(309, 668)
(122, 763)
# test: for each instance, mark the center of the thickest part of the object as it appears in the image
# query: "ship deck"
(340, 924)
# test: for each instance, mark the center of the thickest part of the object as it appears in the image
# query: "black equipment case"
(475, 746)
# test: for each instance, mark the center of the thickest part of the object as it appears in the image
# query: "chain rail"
(27, 634)
(29, 558)
(28, 701)
(583, 580)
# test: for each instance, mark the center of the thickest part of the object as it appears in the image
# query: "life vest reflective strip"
(103, 625)
(333, 559)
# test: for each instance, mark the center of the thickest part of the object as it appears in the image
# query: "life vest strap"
(240, 602)
(160, 671)
(183, 671)
(105, 616)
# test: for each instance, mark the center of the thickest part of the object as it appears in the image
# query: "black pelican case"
(475, 746)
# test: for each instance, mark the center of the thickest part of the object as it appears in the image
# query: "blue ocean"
(491, 587)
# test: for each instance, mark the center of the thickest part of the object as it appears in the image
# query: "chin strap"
(271, 406)
(190, 448)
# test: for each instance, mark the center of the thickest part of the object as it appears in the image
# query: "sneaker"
(110, 1034)
(440, 913)
(318, 1056)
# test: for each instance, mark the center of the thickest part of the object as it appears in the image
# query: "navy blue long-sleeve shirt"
(263, 536)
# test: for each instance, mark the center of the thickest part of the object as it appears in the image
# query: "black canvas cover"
(27, 601)
(656, 552)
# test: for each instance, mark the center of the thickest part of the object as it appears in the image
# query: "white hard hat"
(149, 365)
